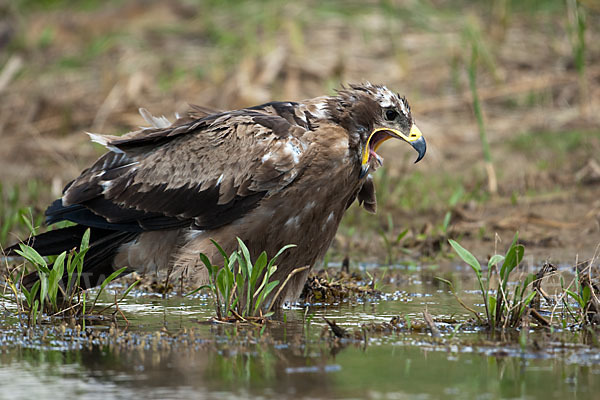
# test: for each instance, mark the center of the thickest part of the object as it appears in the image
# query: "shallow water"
(169, 351)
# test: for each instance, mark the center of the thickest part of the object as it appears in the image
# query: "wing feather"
(203, 172)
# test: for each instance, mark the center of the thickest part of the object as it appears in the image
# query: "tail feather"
(98, 262)
(56, 241)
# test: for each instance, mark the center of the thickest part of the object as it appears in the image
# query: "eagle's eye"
(391, 114)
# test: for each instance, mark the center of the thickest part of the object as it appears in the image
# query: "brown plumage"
(275, 174)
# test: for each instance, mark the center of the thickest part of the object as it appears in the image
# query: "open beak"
(415, 139)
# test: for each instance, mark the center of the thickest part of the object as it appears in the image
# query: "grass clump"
(51, 294)
(585, 292)
(506, 306)
(503, 307)
(241, 287)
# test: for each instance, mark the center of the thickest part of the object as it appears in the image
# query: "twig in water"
(294, 272)
(435, 332)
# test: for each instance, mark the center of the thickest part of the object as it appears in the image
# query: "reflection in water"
(250, 366)
(168, 354)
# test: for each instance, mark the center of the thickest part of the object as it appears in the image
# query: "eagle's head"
(373, 114)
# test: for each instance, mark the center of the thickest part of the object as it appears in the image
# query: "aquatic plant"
(503, 307)
(55, 292)
(585, 292)
(240, 287)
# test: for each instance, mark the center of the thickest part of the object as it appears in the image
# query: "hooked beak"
(415, 139)
(421, 147)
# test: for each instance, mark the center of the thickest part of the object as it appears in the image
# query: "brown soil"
(65, 73)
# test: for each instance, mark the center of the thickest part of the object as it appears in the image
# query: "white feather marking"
(106, 185)
(328, 221)
(220, 179)
(309, 206)
(128, 165)
(385, 97)
(403, 108)
(98, 139)
(292, 221)
(156, 122)
(295, 150)
(320, 111)
(330, 217)
(104, 142)
(266, 158)
(193, 234)
(341, 145)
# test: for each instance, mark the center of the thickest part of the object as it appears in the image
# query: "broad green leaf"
(221, 281)
(33, 257)
(401, 235)
(575, 297)
(43, 288)
(233, 259)
(467, 257)
(515, 238)
(55, 278)
(70, 271)
(247, 265)
(495, 259)
(34, 311)
(85, 241)
(220, 250)
(207, 264)
(492, 300)
(25, 215)
(586, 295)
(268, 288)
(528, 299)
(243, 263)
(512, 259)
(284, 248)
(259, 266)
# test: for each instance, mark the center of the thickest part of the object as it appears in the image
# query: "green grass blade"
(107, 281)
